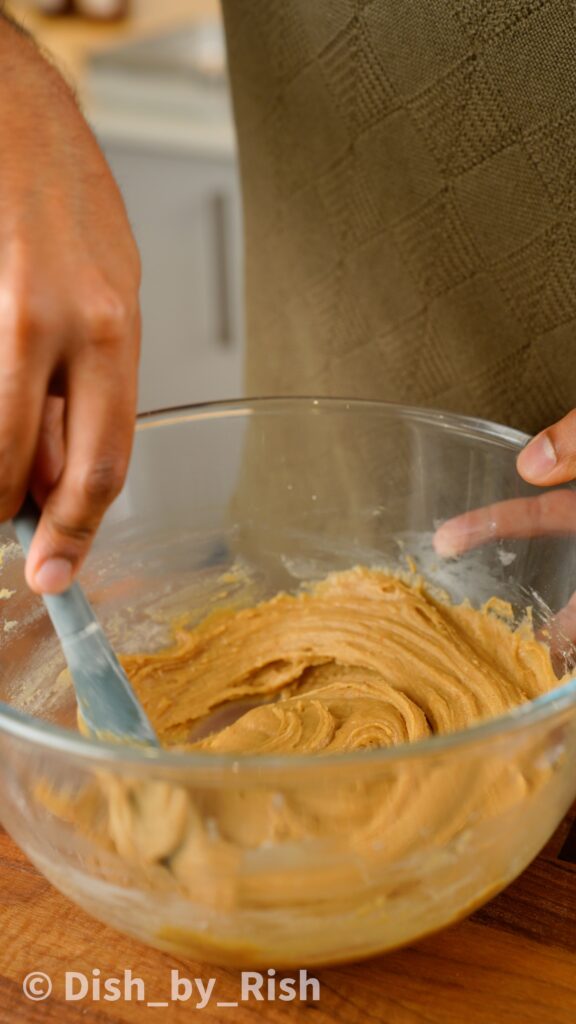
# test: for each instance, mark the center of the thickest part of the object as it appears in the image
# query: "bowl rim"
(29, 728)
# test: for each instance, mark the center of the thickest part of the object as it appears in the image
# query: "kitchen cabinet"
(161, 109)
(184, 206)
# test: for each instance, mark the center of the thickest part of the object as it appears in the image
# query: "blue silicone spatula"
(106, 699)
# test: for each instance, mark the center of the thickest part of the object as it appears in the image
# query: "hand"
(548, 514)
(69, 316)
(549, 458)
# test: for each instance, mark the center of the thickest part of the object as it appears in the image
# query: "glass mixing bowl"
(227, 504)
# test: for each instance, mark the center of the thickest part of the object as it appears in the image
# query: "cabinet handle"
(223, 250)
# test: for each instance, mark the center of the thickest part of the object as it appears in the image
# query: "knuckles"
(88, 496)
(101, 482)
(80, 533)
(105, 317)
(89, 309)
(23, 318)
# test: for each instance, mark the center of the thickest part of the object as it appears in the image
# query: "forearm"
(42, 131)
(69, 314)
(24, 65)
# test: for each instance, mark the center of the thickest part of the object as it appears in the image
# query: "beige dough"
(362, 660)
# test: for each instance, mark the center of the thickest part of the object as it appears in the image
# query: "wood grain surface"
(512, 962)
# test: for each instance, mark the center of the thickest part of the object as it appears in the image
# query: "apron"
(409, 189)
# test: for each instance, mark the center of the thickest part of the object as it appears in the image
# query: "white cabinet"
(179, 180)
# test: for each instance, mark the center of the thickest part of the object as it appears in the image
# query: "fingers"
(49, 459)
(553, 512)
(550, 458)
(24, 373)
(99, 424)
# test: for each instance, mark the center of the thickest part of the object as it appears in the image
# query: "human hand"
(69, 316)
(548, 459)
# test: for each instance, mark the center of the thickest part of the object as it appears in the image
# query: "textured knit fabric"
(409, 175)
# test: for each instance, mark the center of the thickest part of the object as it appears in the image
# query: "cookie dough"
(275, 861)
(363, 660)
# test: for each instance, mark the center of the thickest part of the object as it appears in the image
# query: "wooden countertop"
(71, 39)
(512, 962)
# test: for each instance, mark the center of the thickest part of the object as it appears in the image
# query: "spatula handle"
(70, 612)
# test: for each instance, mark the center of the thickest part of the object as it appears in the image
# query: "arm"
(69, 315)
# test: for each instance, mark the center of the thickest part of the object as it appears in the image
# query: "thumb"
(61, 542)
(550, 457)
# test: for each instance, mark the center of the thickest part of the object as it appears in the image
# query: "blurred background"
(151, 78)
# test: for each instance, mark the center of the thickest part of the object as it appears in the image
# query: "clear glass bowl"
(392, 844)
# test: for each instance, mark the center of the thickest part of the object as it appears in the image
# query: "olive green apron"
(409, 175)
